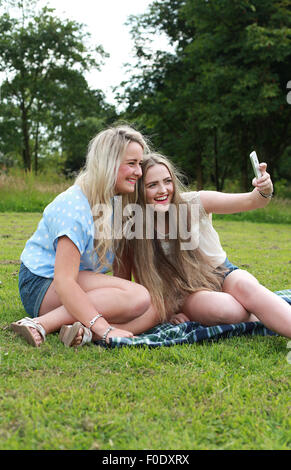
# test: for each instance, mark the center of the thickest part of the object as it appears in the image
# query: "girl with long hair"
(197, 284)
(62, 279)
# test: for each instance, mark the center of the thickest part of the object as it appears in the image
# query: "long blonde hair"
(98, 178)
(168, 280)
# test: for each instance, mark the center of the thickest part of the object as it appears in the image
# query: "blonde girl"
(62, 277)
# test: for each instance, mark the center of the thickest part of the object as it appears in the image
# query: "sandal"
(69, 332)
(22, 328)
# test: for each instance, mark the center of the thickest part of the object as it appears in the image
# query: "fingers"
(119, 333)
(178, 318)
(264, 183)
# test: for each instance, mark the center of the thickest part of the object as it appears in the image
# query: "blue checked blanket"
(167, 334)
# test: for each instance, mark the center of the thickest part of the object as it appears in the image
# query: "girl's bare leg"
(270, 309)
(118, 300)
(215, 308)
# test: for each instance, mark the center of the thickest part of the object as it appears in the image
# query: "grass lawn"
(230, 394)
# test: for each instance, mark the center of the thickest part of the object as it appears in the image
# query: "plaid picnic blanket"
(167, 334)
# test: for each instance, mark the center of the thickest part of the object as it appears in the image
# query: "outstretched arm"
(223, 203)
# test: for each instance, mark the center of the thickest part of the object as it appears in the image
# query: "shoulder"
(191, 196)
(73, 195)
(69, 214)
(71, 203)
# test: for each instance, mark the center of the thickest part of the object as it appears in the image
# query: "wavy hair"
(98, 178)
(169, 279)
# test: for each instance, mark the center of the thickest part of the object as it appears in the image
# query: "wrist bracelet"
(104, 337)
(91, 323)
(267, 196)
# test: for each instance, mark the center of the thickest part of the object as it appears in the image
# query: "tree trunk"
(199, 174)
(244, 151)
(244, 172)
(36, 149)
(216, 167)
(25, 138)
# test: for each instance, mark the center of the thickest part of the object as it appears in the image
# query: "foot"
(73, 335)
(34, 335)
(37, 337)
(78, 338)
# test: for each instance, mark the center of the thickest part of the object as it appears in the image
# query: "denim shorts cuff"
(231, 267)
(32, 289)
(40, 296)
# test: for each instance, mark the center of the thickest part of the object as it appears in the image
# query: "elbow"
(63, 286)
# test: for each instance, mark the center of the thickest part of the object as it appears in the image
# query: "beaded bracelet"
(267, 196)
(94, 319)
(104, 337)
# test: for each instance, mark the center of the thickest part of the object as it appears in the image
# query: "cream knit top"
(209, 242)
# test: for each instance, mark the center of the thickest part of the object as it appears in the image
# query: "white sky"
(105, 19)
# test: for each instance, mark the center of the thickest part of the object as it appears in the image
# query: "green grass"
(25, 192)
(230, 394)
(278, 211)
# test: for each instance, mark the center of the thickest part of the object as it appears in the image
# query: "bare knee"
(214, 308)
(242, 286)
(138, 300)
(230, 311)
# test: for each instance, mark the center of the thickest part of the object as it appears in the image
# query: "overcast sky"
(105, 21)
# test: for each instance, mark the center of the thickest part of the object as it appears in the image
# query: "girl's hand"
(179, 318)
(263, 184)
(119, 333)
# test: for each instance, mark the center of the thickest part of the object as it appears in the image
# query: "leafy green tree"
(44, 59)
(222, 92)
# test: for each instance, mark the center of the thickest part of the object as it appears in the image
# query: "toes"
(78, 339)
(37, 336)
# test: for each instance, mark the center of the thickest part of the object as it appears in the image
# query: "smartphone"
(255, 164)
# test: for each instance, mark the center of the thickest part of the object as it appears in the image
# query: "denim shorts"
(231, 267)
(32, 289)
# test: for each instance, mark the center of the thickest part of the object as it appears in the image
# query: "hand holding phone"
(255, 164)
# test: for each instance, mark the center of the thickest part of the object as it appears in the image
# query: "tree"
(42, 57)
(222, 92)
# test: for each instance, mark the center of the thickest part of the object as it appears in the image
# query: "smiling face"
(159, 187)
(130, 169)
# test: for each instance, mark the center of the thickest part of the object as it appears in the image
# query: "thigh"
(213, 308)
(239, 282)
(89, 281)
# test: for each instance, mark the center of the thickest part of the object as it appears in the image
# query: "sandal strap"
(87, 336)
(27, 321)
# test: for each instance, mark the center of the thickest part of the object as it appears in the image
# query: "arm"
(71, 295)
(223, 203)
